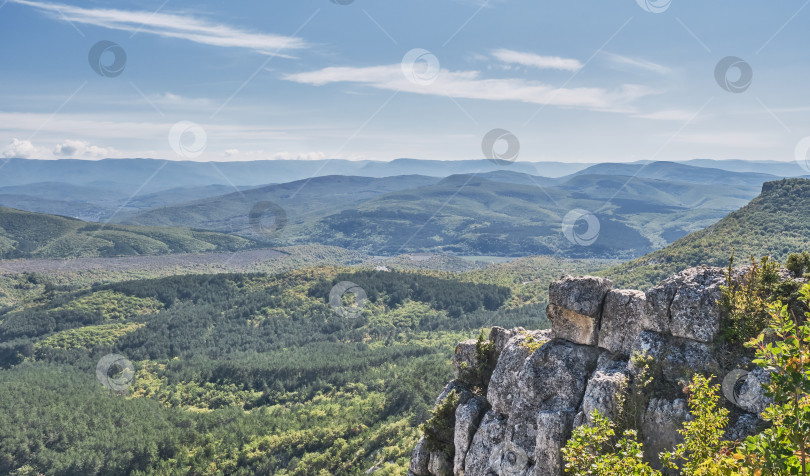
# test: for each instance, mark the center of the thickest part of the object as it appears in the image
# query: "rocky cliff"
(517, 409)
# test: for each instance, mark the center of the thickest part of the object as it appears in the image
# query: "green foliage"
(596, 450)
(34, 235)
(703, 452)
(257, 372)
(783, 447)
(799, 264)
(776, 223)
(438, 430)
(746, 299)
(633, 400)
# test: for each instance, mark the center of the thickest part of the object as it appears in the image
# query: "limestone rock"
(465, 362)
(509, 459)
(660, 426)
(575, 307)
(745, 425)
(684, 357)
(694, 312)
(461, 389)
(468, 416)
(552, 379)
(419, 459)
(440, 464)
(500, 336)
(602, 391)
(503, 385)
(553, 430)
(625, 315)
(487, 438)
(751, 396)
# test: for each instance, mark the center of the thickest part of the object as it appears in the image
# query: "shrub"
(595, 450)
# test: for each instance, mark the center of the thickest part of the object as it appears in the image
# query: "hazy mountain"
(35, 235)
(777, 222)
(301, 200)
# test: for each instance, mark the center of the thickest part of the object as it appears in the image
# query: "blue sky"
(585, 81)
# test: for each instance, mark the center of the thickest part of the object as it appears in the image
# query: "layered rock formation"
(536, 394)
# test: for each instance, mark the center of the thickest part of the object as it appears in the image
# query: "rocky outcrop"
(575, 307)
(537, 394)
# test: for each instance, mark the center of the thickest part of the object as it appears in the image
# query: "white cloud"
(20, 149)
(79, 149)
(469, 85)
(171, 26)
(536, 61)
(637, 63)
(668, 115)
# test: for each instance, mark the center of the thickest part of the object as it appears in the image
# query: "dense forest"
(239, 373)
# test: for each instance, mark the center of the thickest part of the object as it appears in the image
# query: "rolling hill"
(35, 235)
(502, 213)
(776, 223)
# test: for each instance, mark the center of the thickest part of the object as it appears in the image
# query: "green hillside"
(35, 235)
(776, 223)
(471, 215)
(501, 213)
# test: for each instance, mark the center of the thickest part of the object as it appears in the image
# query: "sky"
(589, 81)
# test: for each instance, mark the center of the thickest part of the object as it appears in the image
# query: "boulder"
(575, 307)
(624, 316)
(488, 437)
(553, 430)
(468, 417)
(419, 459)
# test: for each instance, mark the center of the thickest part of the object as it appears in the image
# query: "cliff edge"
(518, 396)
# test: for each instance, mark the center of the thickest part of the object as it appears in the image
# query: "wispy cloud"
(668, 115)
(635, 63)
(536, 61)
(470, 85)
(171, 26)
